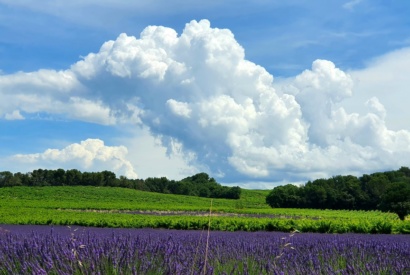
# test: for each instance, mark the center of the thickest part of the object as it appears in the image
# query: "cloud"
(151, 159)
(88, 155)
(179, 108)
(54, 92)
(386, 78)
(200, 97)
(15, 115)
(351, 4)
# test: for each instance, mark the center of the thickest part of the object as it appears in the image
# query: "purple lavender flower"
(42, 250)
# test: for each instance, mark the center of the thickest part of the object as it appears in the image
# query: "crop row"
(116, 199)
(223, 223)
(106, 251)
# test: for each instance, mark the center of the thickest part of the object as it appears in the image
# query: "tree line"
(201, 184)
(385, 191)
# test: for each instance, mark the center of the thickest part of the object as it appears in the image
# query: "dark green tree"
(396, 199)
(316, 196)
(56, 177)
(159, 185)
(287, 196)
(375, 186)
(6, 179)
(73, 177)
(38, 177)
(109, 178)
(405, 171)
(233, 193)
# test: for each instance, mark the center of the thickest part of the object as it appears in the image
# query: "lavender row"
(63, 250)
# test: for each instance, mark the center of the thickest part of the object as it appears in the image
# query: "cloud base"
(198, 94)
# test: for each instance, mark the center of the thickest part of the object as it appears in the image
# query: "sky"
(254, 93)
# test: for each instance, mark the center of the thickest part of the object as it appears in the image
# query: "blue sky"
(254, 93)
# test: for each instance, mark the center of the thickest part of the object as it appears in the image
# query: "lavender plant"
(42, 250)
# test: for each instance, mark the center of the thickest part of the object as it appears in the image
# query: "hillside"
(116, 198)
(123, 207)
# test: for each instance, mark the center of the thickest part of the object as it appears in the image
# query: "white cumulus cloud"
(88, 155)
(179, 108)
(386, 78)
(15, 115)
(197, 92)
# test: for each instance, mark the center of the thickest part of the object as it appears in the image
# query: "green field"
(121, 207)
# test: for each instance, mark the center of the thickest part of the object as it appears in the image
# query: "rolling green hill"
(123, 207)
(115, 198)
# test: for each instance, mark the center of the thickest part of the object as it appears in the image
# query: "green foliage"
(397, 199)
(386, 191)
(198, 185)
(8, 179)
(285, 196)
(121, 207)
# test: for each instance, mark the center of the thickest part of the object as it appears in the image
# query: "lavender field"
(81, 250)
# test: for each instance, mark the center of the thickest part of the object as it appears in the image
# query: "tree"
(57, 177)
(233, 193)
(21, 179)
(397, 199)
(109, 178)
(405, 171)
(316, 196)
(204, 192)
(73, 177)
(284, 196)
(6, 178)
(375, 187)
(92, 179)
(158, 185)
(38, 177)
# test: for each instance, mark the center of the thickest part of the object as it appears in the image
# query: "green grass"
(107, 207)
(111, 198)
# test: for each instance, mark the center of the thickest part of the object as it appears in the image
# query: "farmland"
(74, 250)
(107, 230)
(127, 208)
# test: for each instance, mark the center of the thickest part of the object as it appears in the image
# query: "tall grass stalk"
(285, 245)
(207, 238)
